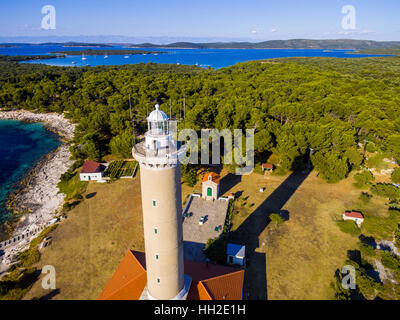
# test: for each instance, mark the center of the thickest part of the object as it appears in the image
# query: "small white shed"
(236, 254)
(92, 171)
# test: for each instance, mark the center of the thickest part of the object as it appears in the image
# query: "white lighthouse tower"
(160, 176)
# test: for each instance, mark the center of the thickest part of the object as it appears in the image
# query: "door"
(209, 192)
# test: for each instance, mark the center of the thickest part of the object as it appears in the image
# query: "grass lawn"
(293, 260)
(297, 259)
(90, 244)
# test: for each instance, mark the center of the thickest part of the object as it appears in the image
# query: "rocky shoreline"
(35, 199)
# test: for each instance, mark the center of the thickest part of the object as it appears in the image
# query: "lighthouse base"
(181, 296)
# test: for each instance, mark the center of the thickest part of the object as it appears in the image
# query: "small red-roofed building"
(210, 186)
(267, 167)
(355, 216)
(92, 171)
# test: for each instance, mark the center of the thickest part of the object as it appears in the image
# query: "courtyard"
(195, 236)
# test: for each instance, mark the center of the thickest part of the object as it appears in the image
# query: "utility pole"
(130, 112)
(184, 109)
(170, 109)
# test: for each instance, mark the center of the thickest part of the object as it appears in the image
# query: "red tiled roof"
(226, 287)
(128, 281)
(215, 177)
(209, 281)
(91, 167)
(267, 166)
(354, 214)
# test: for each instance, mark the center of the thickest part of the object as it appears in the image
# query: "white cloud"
(273, 30)
(254, 31)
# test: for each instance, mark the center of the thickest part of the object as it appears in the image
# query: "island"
(97, 52)
(4, 58)
(338, 44)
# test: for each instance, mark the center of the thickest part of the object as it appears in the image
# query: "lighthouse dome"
(157, 115)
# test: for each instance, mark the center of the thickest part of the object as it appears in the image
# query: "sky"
(201, 20)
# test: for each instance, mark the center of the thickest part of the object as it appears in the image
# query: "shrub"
(396, 175)
(348, 227)
(363, 179)
(16, 284)
(386, 190)
(397, 237)
(391, 261)
(276, 218)
(367, 250)
(215, 250)
(371, 147)
(376, 161)
(189, 175)
(365, 197)
(32, 255)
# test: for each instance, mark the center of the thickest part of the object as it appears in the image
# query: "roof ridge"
(134, 278)
(206, 290)
(223, 275)
(126, 284)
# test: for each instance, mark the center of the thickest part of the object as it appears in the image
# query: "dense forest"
(332, 106)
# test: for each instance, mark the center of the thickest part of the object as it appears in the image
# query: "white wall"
(93, 176)
(236, 260)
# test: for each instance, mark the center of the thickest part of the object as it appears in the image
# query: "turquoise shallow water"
(21, 146)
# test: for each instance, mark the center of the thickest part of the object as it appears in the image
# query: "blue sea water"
(21, 146)
(215, 58)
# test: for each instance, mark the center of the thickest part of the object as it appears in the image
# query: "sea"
(21, 147)
(22, 144)
(214, 58)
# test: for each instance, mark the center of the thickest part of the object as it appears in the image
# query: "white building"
(92, 171)
(355, 216)
(236, 254)
(210, 186)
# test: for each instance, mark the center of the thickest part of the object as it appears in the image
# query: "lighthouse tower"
(160, 178)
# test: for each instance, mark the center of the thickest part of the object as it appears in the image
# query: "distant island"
(65, 44)
(387, 51)
(280, 44)
(344, 44)
(4, 58)
(93, 52)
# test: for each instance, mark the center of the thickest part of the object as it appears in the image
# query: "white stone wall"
(93, 176)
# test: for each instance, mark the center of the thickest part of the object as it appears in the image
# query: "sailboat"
(83, 58)
(106, 57)
(126, 57)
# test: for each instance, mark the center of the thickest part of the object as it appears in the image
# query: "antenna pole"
(130, 112)
(184, 108)
(170, 109)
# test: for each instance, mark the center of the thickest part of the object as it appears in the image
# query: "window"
(157, 257)
(158, 280)
(154, 203)
(155, 230)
